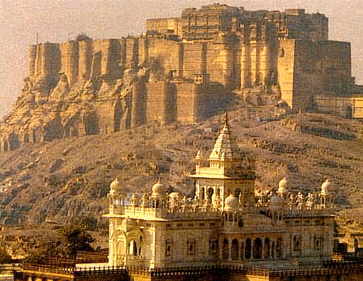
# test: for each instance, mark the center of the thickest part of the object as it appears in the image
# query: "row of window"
(178, 225)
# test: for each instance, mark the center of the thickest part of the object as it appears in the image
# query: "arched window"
(225, 250)
(213, 247)
(168, 245)
(297, 243)
(234, 250)
(237, 192)
(248, 249)
(240, 222)
(133, 248)
(191, 247)
(201, 193)
(210, 193)
(273, 254)
(257, 248)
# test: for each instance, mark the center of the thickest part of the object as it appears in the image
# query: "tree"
(76, 239)
(70, 239)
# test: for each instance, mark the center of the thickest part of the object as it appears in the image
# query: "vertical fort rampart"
(181, 69)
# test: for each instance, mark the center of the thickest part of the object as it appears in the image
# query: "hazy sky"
(59, 20)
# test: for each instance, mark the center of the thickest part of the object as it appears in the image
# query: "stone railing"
(325, 268)
(165, 213)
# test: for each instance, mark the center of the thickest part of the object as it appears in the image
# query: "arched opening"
(168, 245)
(202, 193)
(257, 248)
(213, 247)
(234, 250)
(191, 247)
(248, 250)
(133, 248)
(267, 248)
(237, 192)
(210, 193)
(225, 250)
(297, 243)
(26, 138)
(240, 222)
(273, 250)
(14, 142)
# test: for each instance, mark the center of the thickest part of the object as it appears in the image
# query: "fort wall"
(284, 55)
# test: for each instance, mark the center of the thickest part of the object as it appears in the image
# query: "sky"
(60, 20)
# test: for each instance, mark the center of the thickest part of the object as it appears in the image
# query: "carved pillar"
(220, 249)
(283, 248)
(243, 249)
(273, 249)
(263, 247)
(239, 249)
(252, 250)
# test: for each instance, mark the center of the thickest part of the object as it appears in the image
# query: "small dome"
(115, 186)
(158, 189)
(231, 203)
(282, 186)
(325, 187)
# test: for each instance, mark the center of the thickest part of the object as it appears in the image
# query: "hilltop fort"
(183, 69)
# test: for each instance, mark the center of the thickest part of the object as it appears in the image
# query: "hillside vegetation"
(68, 180)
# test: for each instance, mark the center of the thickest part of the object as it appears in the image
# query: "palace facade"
(225, 222)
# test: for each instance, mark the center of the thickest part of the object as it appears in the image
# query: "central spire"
(225, 149)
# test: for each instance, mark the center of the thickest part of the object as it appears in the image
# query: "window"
(297, 243)
(213, 247)
(168, 245)
(318, 242)
(191, 247)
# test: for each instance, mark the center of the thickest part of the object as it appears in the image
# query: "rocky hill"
(68, 179)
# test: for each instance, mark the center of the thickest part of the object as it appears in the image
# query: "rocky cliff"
(88, 87)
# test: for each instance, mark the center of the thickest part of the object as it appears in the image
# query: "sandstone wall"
(160, 102)
(164, 25)
(307, 68)
(336, 66)
(109, 85)
(286, 64)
